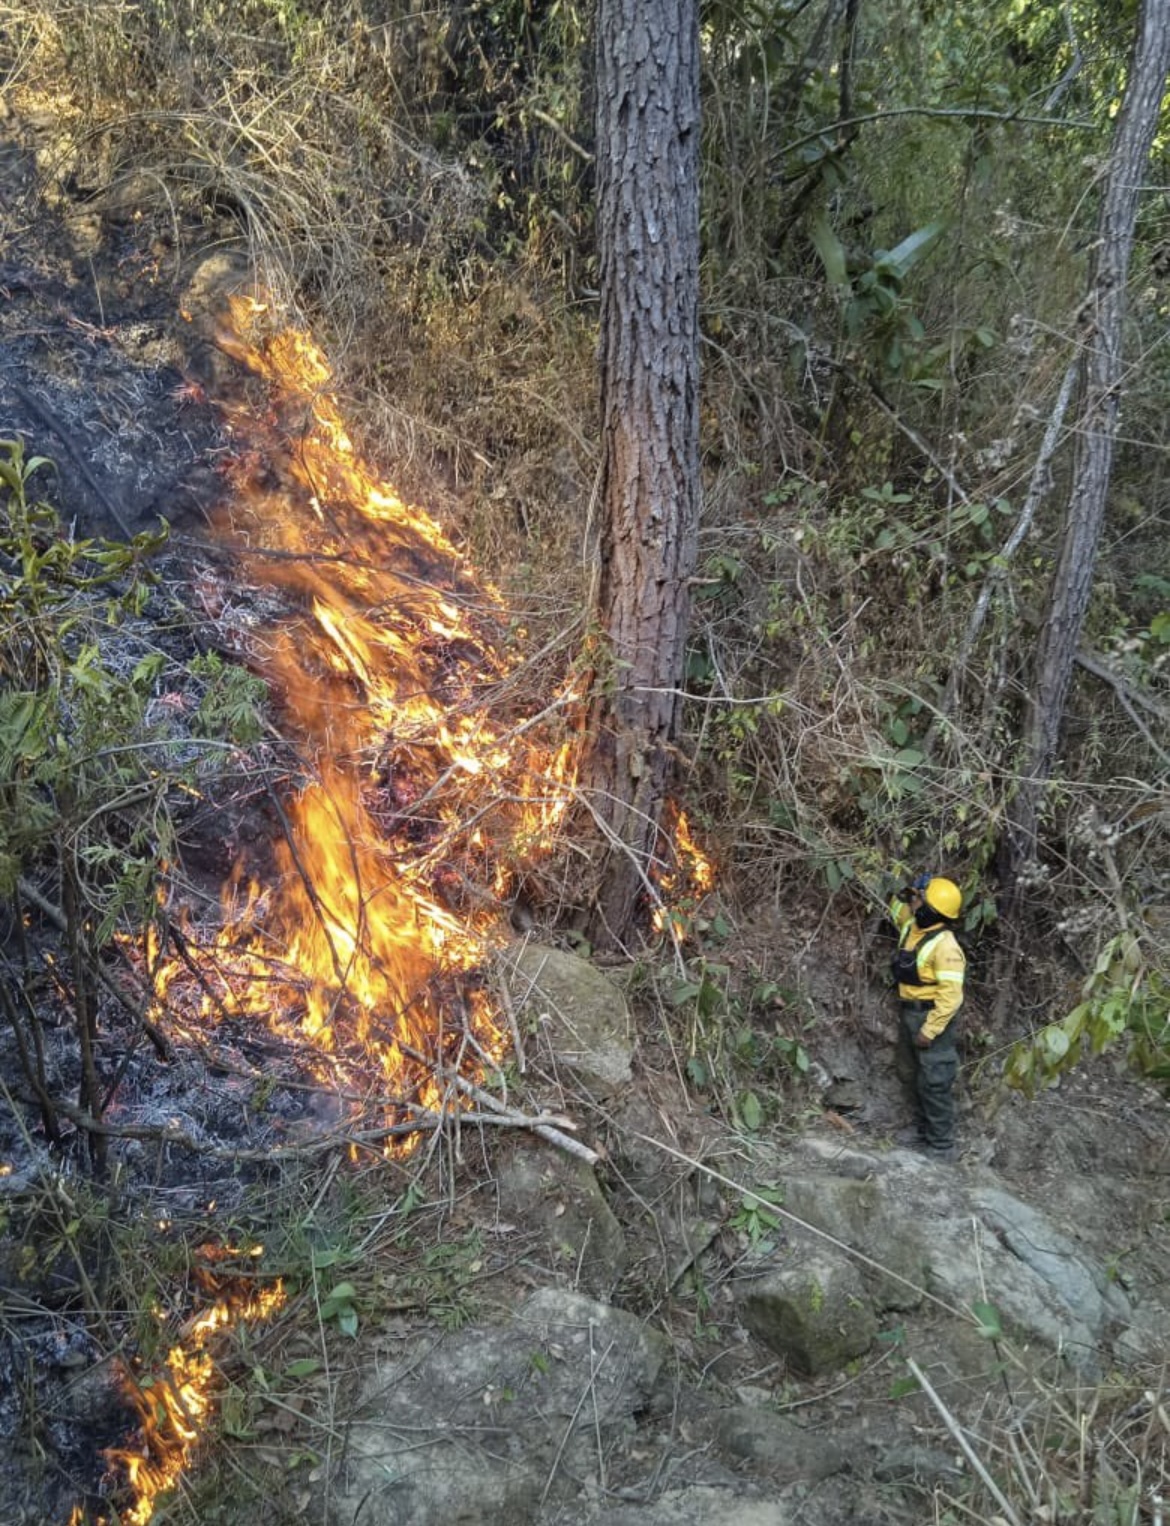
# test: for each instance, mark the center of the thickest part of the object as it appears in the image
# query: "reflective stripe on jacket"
(942, 966)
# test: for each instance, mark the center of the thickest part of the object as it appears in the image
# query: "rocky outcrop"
(486, 1425)
(876, 1232)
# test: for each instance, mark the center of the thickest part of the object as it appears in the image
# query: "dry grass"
(1058, 1451)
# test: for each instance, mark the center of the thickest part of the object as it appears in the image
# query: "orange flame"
(174, 1406)
(383, 898)
(692, 877)
(412, 811)
(386, 885)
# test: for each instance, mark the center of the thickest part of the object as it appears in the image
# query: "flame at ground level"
(175, 1403)
(174, 1406)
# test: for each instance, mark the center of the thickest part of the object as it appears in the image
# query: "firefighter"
(929, 967)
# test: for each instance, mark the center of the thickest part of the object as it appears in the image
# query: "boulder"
(860, 1212)
(560, 1197)
(960, 1237)
(576, 1010)
(487, 1424)
(812, 1309)
(778, 1446)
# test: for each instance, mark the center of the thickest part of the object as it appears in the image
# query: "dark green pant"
(928, 1075)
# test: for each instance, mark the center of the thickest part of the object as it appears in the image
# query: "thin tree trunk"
(648, 242)
(1072, 580)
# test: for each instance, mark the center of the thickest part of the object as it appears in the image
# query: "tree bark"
(648, 243)
(1104, 311)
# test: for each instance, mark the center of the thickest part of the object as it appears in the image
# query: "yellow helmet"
(945, 897)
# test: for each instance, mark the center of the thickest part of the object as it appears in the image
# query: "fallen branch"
(964, 1445)
(546, 1131)
(546, 1124)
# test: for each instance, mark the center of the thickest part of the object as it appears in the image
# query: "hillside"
(714, 1287)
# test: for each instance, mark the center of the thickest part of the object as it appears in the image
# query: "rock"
(924, 1466)
(582, 1014)
(812, 1310)
(1042, 1285)
(862, 1213)
(844, 1095)
(1085, 1291)
(964, 1240)
(561, 1197)
(483, 1425)
(783, 1449)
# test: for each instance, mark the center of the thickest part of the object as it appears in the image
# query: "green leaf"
(697, 1072)
(900, 1387)
(710, 998)
(830, 249)
(990, 1326)
(347, 1321)
(750, 1111)
(303, 1368)
(904, 256)
(1056, 1043)
(148, 669)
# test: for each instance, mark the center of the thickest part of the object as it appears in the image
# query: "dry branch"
(964, 1445)
(424, 1120)
(60, 922)
(538, 1125)
(1037, 487)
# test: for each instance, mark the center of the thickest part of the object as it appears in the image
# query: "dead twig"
(589, 1389)
(1038, 485)
(551, 1133)
(59, 921)
(546, 1124)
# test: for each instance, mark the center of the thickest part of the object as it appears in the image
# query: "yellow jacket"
(942, 966)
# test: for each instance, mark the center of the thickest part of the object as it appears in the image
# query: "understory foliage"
(91, 763)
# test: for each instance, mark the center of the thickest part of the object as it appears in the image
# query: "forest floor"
(100, 372)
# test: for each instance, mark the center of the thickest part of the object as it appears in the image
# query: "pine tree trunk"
(1104, 315)
(648, 242)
